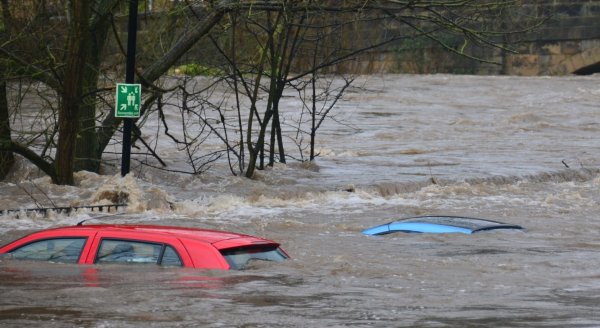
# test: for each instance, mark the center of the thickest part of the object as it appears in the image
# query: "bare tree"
(74, 71)
(286, 42)
(278, 36)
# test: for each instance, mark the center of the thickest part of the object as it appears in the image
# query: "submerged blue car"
(439, 224)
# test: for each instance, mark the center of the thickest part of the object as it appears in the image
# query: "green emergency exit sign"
(128, 100)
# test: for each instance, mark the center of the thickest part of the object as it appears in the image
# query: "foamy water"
(514, 149)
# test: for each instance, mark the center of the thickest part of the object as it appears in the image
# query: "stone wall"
(567, 43)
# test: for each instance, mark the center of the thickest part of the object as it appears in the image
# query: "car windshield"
(239, 258)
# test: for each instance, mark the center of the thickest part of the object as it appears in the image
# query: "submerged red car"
(145, 244)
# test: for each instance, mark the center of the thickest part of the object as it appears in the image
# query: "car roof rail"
(80, 223)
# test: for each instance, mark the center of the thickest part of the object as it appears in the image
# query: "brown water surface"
(519, 150)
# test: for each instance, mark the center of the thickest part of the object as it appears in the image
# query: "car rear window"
(240, 258)
(64, 250)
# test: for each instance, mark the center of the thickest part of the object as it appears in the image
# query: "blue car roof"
(439, 224)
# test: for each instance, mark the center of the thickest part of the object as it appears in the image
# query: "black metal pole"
(129, 78)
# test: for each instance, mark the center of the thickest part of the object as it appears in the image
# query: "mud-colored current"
(519, 150)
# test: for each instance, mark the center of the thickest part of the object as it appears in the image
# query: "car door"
(56, 245)
(129, 247)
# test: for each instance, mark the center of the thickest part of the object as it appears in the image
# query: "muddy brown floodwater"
(520, 150)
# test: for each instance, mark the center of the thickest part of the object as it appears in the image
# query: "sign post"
(131, 98)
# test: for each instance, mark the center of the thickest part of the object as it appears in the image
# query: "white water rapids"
(521, 150)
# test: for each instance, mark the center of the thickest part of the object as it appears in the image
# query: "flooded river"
(519, 150)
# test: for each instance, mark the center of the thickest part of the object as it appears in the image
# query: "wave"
(387, 189)
(271, 199)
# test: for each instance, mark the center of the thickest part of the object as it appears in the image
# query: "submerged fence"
(65, 210)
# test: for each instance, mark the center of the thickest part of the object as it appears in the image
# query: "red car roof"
(219, 239)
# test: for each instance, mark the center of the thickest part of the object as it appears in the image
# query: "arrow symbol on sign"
(123, 107)
(123, 89)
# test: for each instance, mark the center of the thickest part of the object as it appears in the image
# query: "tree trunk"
(7, 158)
(278, 133)
(87, 154)
(276, 136)
(72, 93)
(272, 143)
(86, 145)
(260, 144)
(313, 115)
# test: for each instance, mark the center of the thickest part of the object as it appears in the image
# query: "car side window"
(127, 251)
(64, 250)
(170, 257)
